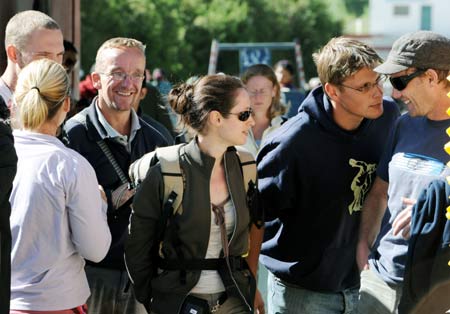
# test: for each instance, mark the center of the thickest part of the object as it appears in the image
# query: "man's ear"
(143, 93)
(432, 77)
(12, 53)
(96, 82)
(331, 90)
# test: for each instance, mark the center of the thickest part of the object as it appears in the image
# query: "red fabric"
(82, 309)
(87, 89)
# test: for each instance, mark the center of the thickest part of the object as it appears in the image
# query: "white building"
(389, 19)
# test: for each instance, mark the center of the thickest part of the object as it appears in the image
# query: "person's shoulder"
(292, 128)
(408, 122)
(287, 139)
(7, 143)
(150, 131)
(159, 127)
(77, 122)
(5, 129)
(75, 163)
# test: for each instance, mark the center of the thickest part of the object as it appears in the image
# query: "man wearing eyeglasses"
(314, 173)
(29, 35)
(417, 65)
(110, 135)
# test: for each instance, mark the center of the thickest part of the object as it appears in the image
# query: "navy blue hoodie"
(313, 177)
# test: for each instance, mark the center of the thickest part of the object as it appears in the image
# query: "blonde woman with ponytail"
(57, 214)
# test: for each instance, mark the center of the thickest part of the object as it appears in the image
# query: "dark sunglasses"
(400, 83)
(243, 115)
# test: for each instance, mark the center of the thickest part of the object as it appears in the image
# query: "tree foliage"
(178, 33)
(356, 7)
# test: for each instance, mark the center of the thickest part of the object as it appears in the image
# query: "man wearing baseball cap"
(417, 66)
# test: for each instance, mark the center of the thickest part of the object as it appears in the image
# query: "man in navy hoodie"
(314, 173)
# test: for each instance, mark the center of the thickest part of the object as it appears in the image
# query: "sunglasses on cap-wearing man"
(243, 115)
(400, 82)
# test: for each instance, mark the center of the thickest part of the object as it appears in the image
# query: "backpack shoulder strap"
(139, 168)
(169, 158)
(249, 174)
(248, 166)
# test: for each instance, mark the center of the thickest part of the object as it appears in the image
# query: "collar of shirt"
(113, 134)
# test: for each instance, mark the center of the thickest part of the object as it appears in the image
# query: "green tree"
(178, 33)
(356, 7)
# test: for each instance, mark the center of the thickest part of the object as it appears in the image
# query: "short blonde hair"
(117, 42)
(41, 89)
(21, 26)
(342, 57)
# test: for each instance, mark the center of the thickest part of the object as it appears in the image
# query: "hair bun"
(181, 98)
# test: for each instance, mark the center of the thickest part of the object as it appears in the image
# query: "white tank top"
(210, 281)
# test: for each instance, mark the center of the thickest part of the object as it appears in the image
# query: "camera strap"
(123, 178)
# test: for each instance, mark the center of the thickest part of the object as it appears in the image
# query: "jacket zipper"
(234, 231)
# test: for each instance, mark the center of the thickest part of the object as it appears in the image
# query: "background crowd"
(343, 210)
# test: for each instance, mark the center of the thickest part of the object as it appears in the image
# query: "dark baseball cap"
(421, 50)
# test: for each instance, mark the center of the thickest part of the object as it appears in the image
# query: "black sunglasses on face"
(243, 115)
(400, 82)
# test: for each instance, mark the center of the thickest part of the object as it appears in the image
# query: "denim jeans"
(376, 296)
(108, 295)
(285, 298)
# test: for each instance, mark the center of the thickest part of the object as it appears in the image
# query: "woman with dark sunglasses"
(217, 223)
(264, 90)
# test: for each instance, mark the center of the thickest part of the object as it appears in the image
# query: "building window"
(401, 10)
(425, 20)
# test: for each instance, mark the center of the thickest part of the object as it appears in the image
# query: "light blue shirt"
(112, 133)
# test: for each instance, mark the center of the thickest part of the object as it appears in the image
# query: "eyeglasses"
(400, 82)
(121, 76)
(243, 115)
(262, 92)
(368, 86)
